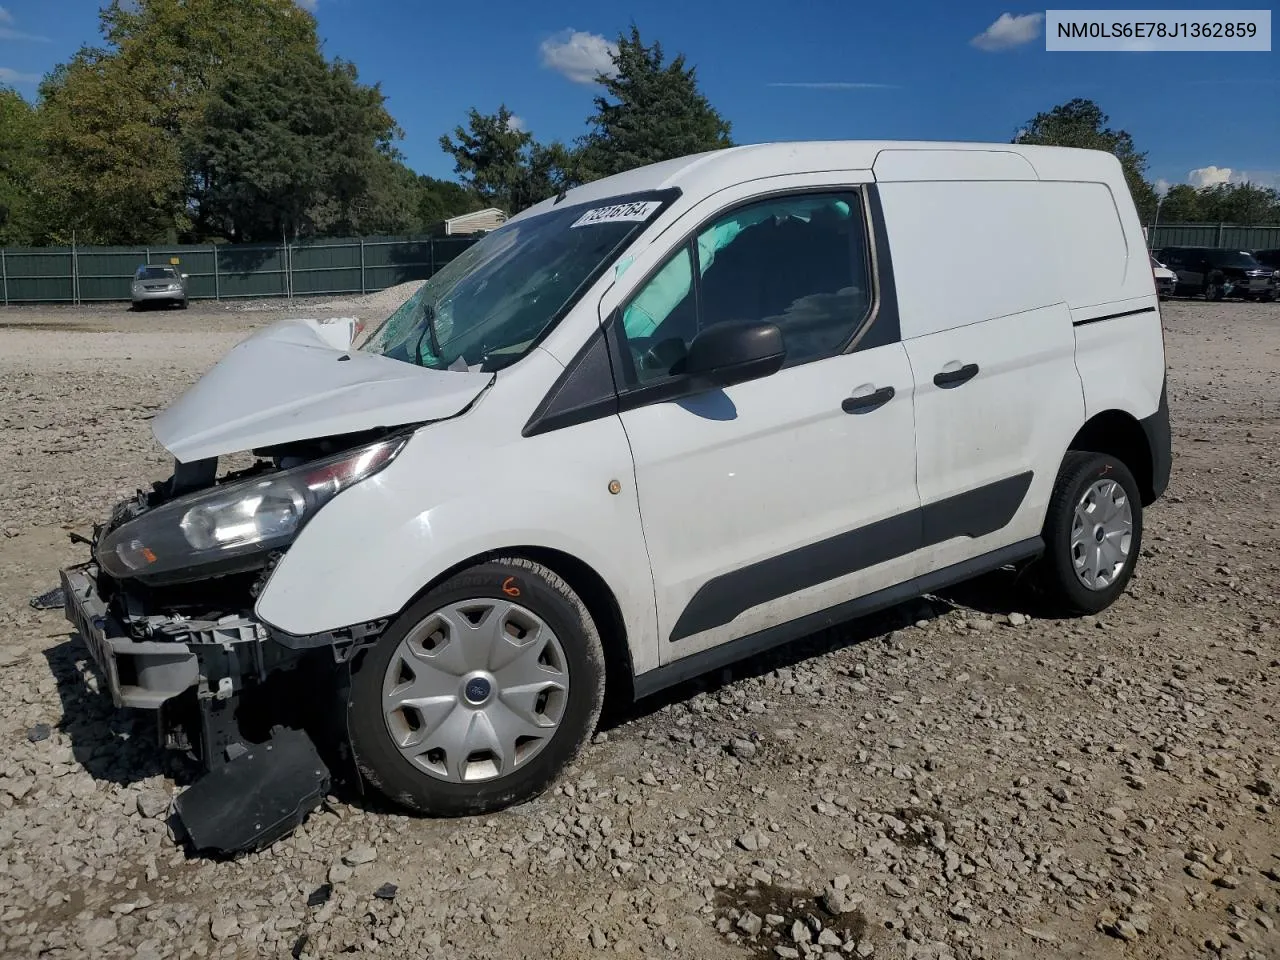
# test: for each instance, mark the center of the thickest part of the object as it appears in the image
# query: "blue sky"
(823, 70)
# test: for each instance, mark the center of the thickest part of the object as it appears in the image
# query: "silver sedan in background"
(153, 284)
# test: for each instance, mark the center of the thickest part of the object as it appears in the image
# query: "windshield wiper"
(429, 319)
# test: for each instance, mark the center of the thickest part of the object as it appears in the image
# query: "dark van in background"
(1219, 272)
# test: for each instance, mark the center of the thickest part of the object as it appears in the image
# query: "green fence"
(225, 271)
(1214, 235)
(323, 267)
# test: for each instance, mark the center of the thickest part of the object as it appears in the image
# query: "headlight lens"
(236, 520)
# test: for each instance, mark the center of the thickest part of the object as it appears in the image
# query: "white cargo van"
(653, 425)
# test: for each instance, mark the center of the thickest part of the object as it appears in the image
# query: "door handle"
(954, 378)
(868, 401)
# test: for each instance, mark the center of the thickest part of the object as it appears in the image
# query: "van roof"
(702, 173)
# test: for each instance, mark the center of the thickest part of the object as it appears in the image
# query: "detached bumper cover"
(257, 798)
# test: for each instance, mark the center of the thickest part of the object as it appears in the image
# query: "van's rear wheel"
(1092, 533)
(480, 693)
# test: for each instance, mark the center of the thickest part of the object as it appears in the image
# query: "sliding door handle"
(954, 378)
(867, 401)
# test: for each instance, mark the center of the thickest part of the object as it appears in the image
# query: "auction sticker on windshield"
(637, 210)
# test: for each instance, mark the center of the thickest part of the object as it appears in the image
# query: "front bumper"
(1252, 285)
(214, 657)
(225, 692)
(146, 296)
(1165, 286)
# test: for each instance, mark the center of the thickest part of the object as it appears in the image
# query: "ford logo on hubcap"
(478, 689)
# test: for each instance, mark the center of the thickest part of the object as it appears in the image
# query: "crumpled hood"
(296, 380)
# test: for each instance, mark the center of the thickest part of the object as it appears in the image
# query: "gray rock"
(838, 901)
(800, 933)
(743, 749)
(1125, 930)
(750, 924)
(152, 805)
(223, 928)
(753, 840)
(360, 855)
(98, 933)
(598, 939)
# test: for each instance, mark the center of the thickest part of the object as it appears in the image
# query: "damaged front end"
(166, 610)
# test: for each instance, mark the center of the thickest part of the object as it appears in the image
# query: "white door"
(995, 403)
(988, 332)
(788, 494)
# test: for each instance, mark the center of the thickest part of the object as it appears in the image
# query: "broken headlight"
(220, 526)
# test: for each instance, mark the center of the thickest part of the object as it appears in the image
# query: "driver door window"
(799, 262)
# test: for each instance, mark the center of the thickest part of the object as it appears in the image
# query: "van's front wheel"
(1092, 533)
(480, 693)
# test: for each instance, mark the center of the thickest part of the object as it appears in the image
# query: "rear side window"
(800, 262)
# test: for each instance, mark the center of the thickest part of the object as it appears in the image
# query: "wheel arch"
(1120, 435)
(594, 591)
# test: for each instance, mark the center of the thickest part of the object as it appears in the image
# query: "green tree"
(1181, 205)
(297, 146)
(1243, 203)
(548, 168)
(439, 200)
(490, 156)
(141, 142)
(1081, 123)
(650, 111)
(110, 171)
(19, 129)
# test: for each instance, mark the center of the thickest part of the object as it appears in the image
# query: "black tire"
(1055, 572)
(1213, 288)
(182, 304)
(545, 594)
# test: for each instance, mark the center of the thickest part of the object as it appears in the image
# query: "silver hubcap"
(1101, 534)
(475, 690)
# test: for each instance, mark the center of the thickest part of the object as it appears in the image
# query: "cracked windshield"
(489, 306)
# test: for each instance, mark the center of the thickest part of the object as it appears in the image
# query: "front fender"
(451, 496)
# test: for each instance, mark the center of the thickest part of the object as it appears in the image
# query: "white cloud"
(578, 55)
(8, 75)
(1162, 187)
(1259, 178)
(1009, 31)
(516, 123)
(8, 33)
(1208, 176)
(308, 5)
(1212, 175)
(833, 85)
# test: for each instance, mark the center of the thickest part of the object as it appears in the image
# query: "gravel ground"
(955, 778)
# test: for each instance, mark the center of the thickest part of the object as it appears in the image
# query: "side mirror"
(729, 353)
